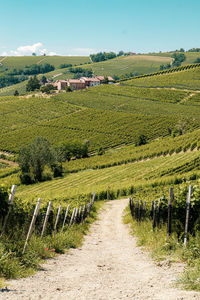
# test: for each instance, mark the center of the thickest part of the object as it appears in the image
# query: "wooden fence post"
(75, 216)
(72, 216)
(187, 214)
(169, 223)
(79, 214)
(10, 202)
(93, 198)
(57, 218)
(37, 207)
(83, 213)
(46, 218)
(154, 215)
(65, 217)
(136, 210)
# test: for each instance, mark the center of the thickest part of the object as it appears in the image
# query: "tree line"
(102, 56)
(33, 70)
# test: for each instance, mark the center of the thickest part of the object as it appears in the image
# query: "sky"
(82, 27)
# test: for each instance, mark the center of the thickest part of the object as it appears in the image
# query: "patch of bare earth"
(109, 265)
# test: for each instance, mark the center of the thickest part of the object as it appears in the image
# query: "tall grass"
(14, 264)
(163, 247)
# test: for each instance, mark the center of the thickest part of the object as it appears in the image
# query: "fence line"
(78, 216)
(158, 213)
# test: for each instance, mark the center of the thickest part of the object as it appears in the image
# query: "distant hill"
(11, 62)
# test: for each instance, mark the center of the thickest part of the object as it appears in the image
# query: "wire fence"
(41, 221)
(182, 219)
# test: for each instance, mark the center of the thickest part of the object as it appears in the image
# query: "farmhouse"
(76, 84)
(82, 83)
(90, 81)
(102, 78)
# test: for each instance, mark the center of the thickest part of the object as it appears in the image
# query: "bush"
(142, 140)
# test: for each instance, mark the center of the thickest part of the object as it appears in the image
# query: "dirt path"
(9, 162)
(107, 266)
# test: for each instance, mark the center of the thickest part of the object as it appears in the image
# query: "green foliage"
(3, 202)
(16, 93)
(47, 88)
(142, 140)
(33, 84)
(62, 66)
(102, 56)
(68, 89)
(80, 72)
(101, 151)
(7, 80)
(178, 59)
(33, 158)
(33, 70)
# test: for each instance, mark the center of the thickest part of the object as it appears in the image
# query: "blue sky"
(81, 27)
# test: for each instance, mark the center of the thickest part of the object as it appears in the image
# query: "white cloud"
(28, 50)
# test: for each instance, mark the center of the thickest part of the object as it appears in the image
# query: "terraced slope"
(116, 177)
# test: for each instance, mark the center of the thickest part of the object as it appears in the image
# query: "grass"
(14, 264)
(141, 64)
(164, 248)
(12, 62)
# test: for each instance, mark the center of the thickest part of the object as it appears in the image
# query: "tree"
(68, 89)
(101, 151)
(142, 140)
(33, 84)
(121, 53)
(105, 80)
(33, 158)
(44, 79)
(47, 88)
(197, 61)
(34, 54)
(16, 93)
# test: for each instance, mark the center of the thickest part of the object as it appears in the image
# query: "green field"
(12, 62)
(190, 56)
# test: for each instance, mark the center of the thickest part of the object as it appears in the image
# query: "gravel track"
(109, 265)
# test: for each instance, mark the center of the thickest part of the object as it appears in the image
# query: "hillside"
(111, 117)
(190, 56)
(107, 116)
(137, 64)
(12, 62)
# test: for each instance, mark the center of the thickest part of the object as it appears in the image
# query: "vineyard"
(121, 179)
(186, 77)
